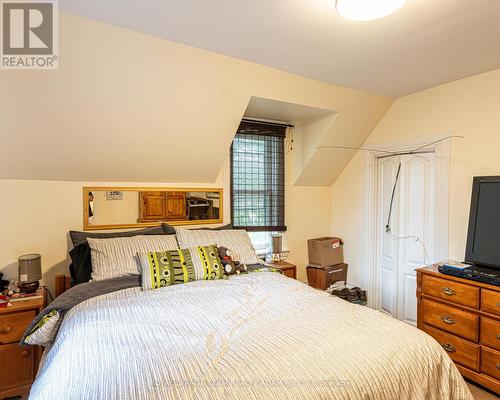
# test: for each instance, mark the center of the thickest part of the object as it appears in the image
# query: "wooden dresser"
(19, 364)
(464, 317)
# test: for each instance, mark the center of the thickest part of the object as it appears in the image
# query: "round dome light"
(367, 10)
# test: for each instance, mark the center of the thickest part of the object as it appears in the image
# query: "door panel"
(387, 248)
(400, 253)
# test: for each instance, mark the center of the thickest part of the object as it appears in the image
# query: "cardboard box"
(325, 251)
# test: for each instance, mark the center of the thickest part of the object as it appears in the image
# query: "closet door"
(387, 248)
(416, 220)
(412, 217)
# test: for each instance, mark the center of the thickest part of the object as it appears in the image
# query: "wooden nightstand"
(19, 364)
(288, 269)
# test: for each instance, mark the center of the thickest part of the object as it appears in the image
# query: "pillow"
(235, 240)
(81, 265)
(81, 237)
(116, 257)
(44, 332)
(173, 267)
(217, 228)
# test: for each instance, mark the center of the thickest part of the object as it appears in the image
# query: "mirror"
(124, 207)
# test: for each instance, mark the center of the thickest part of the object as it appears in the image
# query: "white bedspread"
(257, 336)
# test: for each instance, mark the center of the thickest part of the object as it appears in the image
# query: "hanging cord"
(388, 225)
(394, 153)
(388, 229)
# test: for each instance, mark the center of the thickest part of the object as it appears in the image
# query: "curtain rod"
(256, 121)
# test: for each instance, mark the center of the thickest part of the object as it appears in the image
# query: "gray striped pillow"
(236, 240)
(116, 257)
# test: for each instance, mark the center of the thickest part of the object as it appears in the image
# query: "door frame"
(442, 182)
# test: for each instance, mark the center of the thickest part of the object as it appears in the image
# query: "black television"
(483, 237)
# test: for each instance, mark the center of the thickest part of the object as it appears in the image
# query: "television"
(483, 237)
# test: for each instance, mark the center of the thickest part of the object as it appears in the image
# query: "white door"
(410, 242)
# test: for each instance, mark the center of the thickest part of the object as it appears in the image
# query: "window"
(258, 177)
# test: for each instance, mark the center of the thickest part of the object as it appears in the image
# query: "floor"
(479, 393)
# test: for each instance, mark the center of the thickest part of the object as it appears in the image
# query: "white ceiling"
(426, 43)
(260, 108)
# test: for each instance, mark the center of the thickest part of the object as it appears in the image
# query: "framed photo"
(114, 195)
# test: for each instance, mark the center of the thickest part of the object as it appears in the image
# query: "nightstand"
(288, 269)
(19, 364)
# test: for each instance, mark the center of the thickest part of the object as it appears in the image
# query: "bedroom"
(151, 97)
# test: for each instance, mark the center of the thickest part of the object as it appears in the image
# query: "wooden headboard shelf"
(63, 283)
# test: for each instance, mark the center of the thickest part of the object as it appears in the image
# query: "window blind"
(258, 177)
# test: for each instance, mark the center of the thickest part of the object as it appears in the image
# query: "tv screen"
(483, 238)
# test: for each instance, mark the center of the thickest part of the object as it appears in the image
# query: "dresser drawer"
(460, 350)
(490, 332)
(450, 319)
(12, 326)
(490, 362)
(449, 290)
(19, 367)
(490, 301)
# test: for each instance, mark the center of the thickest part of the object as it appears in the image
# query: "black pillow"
(218, 228)
(81, 237)
(81, 266)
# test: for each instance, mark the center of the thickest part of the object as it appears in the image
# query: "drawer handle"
(498, 366)
(5, 330)
(498, 304)
(25, 353)
(335, 270)
(447, 319)
(498, 336)
(448, 291)
(449, 348)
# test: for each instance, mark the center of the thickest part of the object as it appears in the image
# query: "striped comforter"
(255, 336)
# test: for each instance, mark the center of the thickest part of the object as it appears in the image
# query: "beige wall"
(125, 106)
(469, 107)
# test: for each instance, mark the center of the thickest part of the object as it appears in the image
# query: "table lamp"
(30, 272)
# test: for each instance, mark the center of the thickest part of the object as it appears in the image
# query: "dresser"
(19, 364)
(464, 318)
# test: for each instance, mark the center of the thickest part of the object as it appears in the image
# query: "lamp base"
(29, 287)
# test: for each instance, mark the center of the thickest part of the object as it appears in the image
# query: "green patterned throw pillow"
(173, 267)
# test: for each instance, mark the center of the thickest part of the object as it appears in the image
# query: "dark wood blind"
(258, 177)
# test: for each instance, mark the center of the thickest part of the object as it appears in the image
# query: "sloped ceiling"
(124, 106)
(425, 43)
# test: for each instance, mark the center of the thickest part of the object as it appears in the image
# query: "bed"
(254, 336)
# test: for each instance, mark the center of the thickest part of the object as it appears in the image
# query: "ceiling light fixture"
(367, 10)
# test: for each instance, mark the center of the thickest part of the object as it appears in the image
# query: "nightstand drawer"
(449, 290)
(490, 301)
(12, 326)
(490, 362)
(17, 365)
(289, 272)
(460, 350)
(450, 319)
